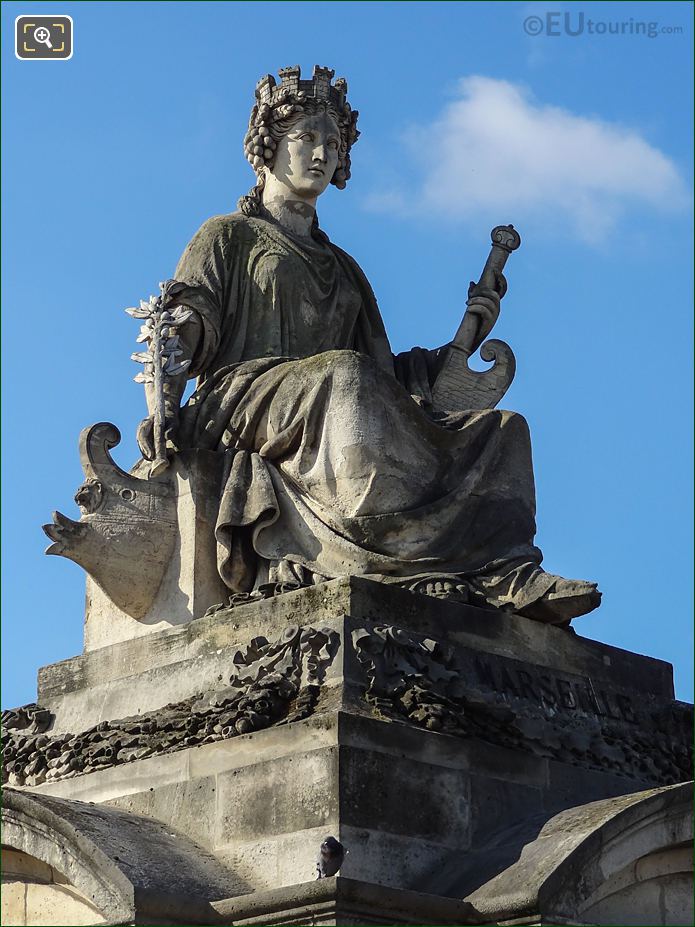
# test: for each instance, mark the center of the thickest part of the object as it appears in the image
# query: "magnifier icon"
(43, 36)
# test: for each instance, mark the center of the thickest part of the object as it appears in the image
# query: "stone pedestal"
(439, 743)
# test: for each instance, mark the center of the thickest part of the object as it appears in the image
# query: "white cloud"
(496, 149)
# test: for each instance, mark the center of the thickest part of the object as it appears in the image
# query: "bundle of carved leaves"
(272, 683)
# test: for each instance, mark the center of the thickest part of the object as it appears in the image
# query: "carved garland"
(417, 680)
(271, 684)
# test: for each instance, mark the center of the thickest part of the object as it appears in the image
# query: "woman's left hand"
(484, 303)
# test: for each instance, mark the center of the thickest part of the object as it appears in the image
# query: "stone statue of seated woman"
(335, 459)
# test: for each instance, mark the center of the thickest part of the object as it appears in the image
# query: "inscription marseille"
(553, 692)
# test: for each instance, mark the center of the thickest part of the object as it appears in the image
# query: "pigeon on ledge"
(330, 858)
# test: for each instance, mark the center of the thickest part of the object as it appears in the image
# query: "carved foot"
(566, 599)
(265, 591)
(441, 587)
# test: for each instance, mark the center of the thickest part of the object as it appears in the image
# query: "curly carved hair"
(268, 124)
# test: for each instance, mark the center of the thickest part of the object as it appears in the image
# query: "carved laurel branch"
(272, 683)
(415, 679)
(161, 318)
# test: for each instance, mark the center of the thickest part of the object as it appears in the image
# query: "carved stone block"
(434, 740)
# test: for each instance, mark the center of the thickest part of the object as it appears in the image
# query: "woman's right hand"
(145, 435)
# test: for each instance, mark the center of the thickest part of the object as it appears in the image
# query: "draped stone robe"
(335, 463)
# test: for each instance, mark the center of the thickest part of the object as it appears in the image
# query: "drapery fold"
(334, 464)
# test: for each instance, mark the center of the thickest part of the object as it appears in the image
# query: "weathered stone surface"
(343, 901)
(408, 798)
(148, 546)
(270, 684)
(287, 787)
(127, 532)
(129, 868)
(584, 720)
(556, 715)
(35, 893)
(380, 786)
(582, 862)
(175, 664)
(597, 729)
(50, 905)
(290, 794)
(190, 583)
(592, 864)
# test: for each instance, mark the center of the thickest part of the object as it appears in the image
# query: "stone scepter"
(456, 386)
(161, 319)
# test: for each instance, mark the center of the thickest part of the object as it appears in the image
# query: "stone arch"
(634, 868)
(35, 893)
(618, 861)
(123, 867)
(34, 828)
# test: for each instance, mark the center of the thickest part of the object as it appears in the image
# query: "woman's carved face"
(307, 156)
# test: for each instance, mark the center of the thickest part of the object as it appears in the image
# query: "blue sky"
(113, 159)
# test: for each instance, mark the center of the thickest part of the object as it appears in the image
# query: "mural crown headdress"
(292, 87)
(276, 103)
